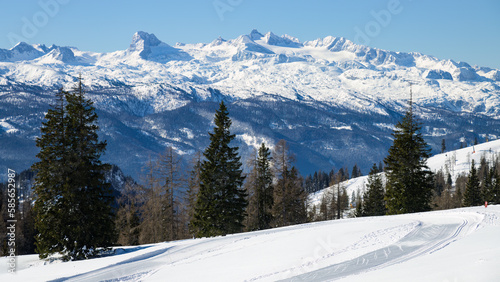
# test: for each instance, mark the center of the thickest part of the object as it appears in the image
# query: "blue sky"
(460, 30)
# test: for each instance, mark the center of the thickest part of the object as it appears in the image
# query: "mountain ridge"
(320, 95)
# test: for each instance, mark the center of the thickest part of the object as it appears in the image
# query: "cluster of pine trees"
(409, 185)
(483, 184)
(409, 182)
(214, 197)
(320, 179)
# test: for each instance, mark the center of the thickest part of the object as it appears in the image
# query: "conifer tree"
(356, 172)
(152, 213)
(88, 190)
(380, 167)
(51, 180)
(409, 180)
(221, 203)
(487, 185)
(193, 189)
(290, 198)
(359, 204)
(251, 220)
(260, 188)
(172, 181)
(293, 201)
(340, 199)
(324, 206)
(74, 204)
(127, 216)
(495, 193)
(458, 196)
(373, 199)
(472, 194)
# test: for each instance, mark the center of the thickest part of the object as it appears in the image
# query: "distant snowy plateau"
(335, 102)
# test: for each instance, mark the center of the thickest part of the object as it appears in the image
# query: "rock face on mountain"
(334, 101)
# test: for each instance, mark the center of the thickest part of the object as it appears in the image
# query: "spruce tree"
(221, 203)
(88, 190)
(260, 187)
(51, 181)
(487, 185)
(458, 197)
(373, 199)
(192, 191)
(73, 208)
(127, 216)
(340, 200)
(356, 172)
(409, 180)
(359, 204)
(290, 198)
(293, 201)
(472, 194)
(496, 189)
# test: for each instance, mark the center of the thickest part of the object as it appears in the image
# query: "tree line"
(321, 180)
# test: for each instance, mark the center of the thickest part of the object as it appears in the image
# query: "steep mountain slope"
(335, 102)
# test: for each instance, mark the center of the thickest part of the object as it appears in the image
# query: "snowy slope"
(454, 162)
(453, 245)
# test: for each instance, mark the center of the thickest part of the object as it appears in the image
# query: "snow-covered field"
(453, 245)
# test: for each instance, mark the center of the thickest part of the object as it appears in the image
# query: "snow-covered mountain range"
(334, 101)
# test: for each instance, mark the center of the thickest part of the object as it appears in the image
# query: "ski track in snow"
(425, 239)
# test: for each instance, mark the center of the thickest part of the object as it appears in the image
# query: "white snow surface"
(452, 245)
(7, 127)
